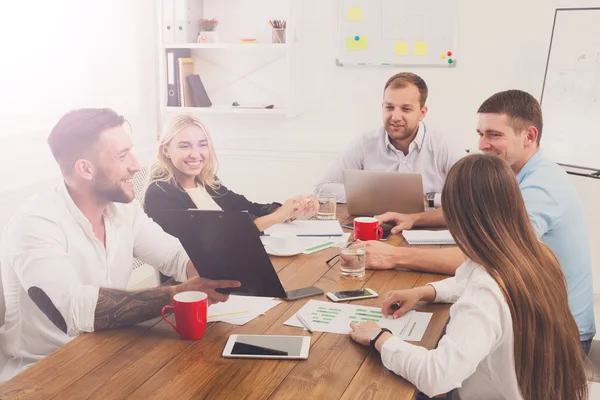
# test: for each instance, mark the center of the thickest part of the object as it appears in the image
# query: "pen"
(301, 319)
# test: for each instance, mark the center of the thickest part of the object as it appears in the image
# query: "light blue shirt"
(557, 216)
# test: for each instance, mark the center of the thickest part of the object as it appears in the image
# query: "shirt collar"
(530, 165)
(75, 211)
(418, 140)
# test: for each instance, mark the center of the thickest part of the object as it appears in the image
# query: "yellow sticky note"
(420, 48)
(401, 48)
(353, 44)
(354, 14)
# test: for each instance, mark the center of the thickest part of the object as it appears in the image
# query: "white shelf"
(226, 110)
(255, 46)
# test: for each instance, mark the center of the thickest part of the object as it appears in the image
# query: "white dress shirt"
(430, 154)
(476, 354)
(50, 245)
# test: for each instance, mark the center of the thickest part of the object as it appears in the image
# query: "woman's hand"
(363, 332)
(399, 302)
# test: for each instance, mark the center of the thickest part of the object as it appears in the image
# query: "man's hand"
(400, 221)
(207, 286)
(380, 255)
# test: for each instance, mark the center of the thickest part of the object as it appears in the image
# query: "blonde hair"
(163, 169)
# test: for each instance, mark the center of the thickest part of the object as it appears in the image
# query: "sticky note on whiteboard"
(401, 48)
(354, 14)
(352, 43)
(420, 48)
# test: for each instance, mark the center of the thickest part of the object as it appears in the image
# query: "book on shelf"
(173, 85)
(198, 93)
(186, 68)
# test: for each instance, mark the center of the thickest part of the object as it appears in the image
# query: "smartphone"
(267, 346)
(303, 292)
(352, 295)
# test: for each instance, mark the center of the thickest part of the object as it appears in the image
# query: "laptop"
(227, 245)
(370, 193)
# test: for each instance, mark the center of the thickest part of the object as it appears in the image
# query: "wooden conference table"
(149, 361)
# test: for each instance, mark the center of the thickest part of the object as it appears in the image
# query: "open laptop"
(370, 193)
(227, 245)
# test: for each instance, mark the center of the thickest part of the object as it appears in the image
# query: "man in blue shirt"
(510, 126)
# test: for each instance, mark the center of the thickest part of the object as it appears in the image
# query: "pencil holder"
(278, 35)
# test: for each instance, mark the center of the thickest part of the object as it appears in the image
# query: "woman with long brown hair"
(511, 334)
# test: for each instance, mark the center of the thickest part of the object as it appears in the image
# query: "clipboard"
(226, 245)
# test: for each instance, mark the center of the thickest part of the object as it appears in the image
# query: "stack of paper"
(322, 316)
(290, 245)
(240, 309)
(428, 237)
(306, 228)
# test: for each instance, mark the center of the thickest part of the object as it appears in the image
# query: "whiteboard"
(396, 32)
(571, 92)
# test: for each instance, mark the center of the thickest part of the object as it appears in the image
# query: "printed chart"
(322, 316)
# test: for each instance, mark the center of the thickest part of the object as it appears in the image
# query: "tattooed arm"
(117, 308)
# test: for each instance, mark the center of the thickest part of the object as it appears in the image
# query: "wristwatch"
(376, 336)
(430, 199)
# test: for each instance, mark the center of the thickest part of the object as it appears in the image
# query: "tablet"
(267, 346)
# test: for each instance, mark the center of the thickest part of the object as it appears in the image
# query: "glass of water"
(326, 207)
(352, 260)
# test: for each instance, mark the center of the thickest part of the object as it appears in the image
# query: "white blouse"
(475, 356)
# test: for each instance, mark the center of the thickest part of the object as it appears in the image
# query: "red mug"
(367, 228)
(190, 309)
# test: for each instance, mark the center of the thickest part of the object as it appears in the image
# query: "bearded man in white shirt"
(67, 254)
(405, 143)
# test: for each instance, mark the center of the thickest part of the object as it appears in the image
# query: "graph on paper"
(324, 316)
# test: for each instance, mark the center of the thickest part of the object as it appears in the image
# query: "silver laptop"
(370, 193)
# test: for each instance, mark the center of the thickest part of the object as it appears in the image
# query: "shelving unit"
(252, 74)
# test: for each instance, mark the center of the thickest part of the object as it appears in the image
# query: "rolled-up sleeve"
(157, 248)
(36, 249)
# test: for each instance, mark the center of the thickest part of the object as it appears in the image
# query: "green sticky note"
(353, 44)
(354, 14)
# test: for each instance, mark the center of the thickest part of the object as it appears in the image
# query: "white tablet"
(267, 346)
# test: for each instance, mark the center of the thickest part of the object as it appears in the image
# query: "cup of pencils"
(278, 28)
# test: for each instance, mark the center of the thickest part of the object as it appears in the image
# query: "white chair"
(140, 180)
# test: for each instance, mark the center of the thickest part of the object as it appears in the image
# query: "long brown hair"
(486, 215)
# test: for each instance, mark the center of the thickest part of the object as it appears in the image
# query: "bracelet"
(374, 340)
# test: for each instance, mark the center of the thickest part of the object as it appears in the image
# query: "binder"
(198, 92)
(428, 237)
(186, 68)
(168, 22)
(186, 16)
(173, 90)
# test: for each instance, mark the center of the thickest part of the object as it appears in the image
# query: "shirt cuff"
(84, 310)
(392, 347)
(443, 294)
(437, 200)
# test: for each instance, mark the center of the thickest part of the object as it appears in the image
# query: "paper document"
(288, 245)
(329, 317)
(306, 228)
(240, 309)
(428, 237)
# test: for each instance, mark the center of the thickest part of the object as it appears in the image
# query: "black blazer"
(162, 196)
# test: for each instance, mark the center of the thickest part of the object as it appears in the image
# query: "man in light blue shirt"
(510, 126)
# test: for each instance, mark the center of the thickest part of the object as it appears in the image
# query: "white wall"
(502, 45)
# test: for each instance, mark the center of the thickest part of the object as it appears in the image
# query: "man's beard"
(407, 132)
(111, 191)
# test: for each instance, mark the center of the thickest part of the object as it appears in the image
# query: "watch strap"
(374, 340)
